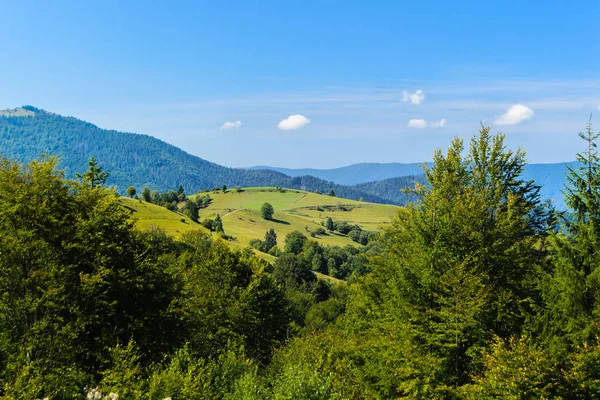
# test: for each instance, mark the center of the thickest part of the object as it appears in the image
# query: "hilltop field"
(294, 210)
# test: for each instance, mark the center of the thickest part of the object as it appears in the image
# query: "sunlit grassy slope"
(240, 211)
(294, 210)
(146, 215)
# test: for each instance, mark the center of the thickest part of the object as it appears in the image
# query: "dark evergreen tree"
(94, 176)
(146, 195)
(217, 224)
(329, 224)
(270, 240)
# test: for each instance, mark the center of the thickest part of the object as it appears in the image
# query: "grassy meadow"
(294, 210)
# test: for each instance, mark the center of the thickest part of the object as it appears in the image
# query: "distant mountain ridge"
(26, 133)
(384, 179)
(355, 173)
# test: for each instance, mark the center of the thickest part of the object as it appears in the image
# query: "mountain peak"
(23, 111)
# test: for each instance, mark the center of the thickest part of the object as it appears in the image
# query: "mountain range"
(139, 160)
(383, 179)
(27, 133)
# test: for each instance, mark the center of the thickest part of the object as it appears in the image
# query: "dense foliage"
(478, 290)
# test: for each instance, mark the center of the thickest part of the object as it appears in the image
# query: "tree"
(270, 240)
(77, 279)
(217, 224)
(294, 242)
(329, 224)
(267, 211)
(94, 176)
(332, 193)
(131, 191)
(224, 188)
(461, 264)
(573, 295)
(191, 210)
(208, 224)
(146, 195)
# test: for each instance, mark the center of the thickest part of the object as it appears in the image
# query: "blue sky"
(363, 81)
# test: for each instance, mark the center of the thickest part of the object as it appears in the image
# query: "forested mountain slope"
(26, 133)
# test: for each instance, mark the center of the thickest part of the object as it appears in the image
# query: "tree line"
(478, 290)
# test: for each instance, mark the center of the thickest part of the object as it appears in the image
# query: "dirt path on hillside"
(300, 198)
(230, 212)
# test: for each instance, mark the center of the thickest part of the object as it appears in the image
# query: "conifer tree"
(574, 293)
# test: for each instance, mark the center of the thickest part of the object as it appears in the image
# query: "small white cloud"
(440, 124)
(231, 125)
(421, 123)
(417, 123)
(293, 122)
(415, 98)
(599, 107)
(514, 115)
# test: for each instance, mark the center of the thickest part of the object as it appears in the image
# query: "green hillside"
(148, 216)
(26, 133)
(295, 210)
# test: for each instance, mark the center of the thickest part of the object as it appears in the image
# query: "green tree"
(294, 242)
(270, 240)
(94, 176)
(191, 210)
(266, 211)
(329, 224)
(77, 279)
(217, 225)
(146, 195)
(224, 188)
(461, 263)
(131, 191)
(573, 295)
(332, 193)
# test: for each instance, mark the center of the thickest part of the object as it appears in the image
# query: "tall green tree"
(94, 176)
(76, 279)
(270, 240)
(329, 224)
(146, 195)
(460, 265)
(573, 295)
(217, 224)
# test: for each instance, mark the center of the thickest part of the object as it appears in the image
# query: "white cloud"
(421, 123)
(440, 124)
(598, 107)
(293, 122)
(415, 98)
(417, 123)
(231, 125)
(515, 114)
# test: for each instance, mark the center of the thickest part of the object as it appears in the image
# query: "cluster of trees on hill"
(478, 290)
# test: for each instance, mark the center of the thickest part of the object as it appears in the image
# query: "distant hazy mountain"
(133, 159)
(385, 180)
(355, 173)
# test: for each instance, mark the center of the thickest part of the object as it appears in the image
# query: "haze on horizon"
(311, 84)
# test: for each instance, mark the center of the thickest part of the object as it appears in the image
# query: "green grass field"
(148, 215)
(294, 210)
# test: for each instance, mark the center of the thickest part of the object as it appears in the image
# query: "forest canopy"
(478, 290)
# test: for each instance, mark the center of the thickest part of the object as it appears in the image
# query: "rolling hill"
(294, 210)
